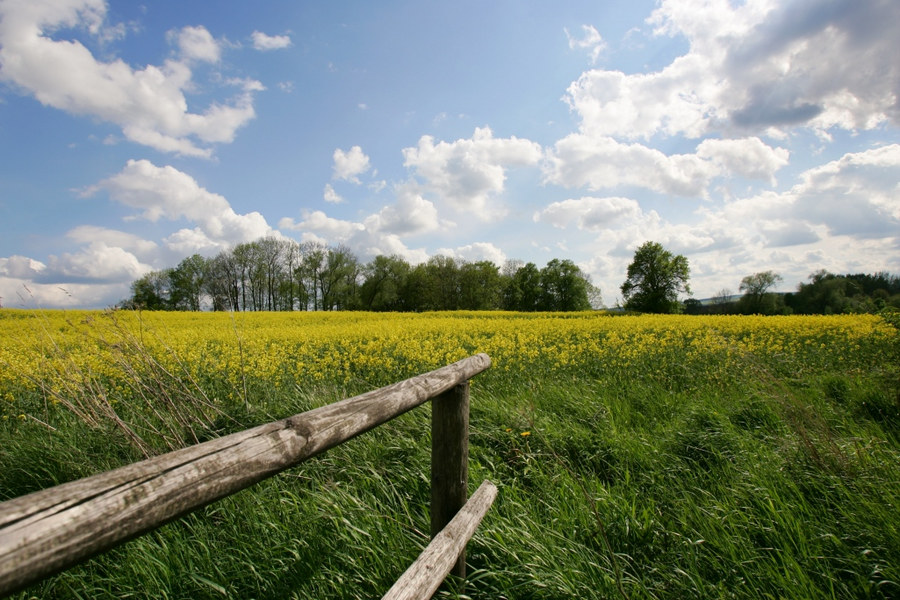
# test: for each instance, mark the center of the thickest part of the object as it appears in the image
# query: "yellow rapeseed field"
(46, 357)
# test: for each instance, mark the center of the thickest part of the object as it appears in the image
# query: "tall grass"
(646, 482)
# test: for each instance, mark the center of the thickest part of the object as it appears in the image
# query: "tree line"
(824, 294)
(656, 277)
(275, 274)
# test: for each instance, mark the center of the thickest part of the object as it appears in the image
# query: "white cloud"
(601, 162)
(166, 192)
(86, 234)
(826, 65)
(21, 267)
(27, 294)
(318, 222)
(331, 196)
(186, 242)
(842, 216)
(469, 173)
(678, 99)
(95, 275)
(197, 43)
(149, 104)
(96, 262)
(749, 157)
(264, 42)
(590, 40)
(758, 65)
(411, 214)
(856, 195)
(351, 164)
(366, 240)
(475, 252)
(592, 214)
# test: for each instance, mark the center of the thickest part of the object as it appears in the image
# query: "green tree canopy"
(383, 281)
(280, 274)
(828, 293)
(564, 286)
(523, 289)
(655, 277)
(757, 299)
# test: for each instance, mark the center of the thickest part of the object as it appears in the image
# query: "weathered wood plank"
(424, 576)
(450, 461)
(52, 529)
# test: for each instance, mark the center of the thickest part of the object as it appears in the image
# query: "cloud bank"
(148, 104)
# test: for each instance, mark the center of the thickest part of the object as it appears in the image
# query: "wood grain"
(422, 579)
(450, 461)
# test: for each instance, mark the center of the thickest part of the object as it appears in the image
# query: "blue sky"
(747, 135)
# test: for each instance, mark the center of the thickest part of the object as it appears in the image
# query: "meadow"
(636, 456)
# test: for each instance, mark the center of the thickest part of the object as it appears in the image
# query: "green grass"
(763, 486)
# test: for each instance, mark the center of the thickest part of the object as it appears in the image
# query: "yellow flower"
(525, 433)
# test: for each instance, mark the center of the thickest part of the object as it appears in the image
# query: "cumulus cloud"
(749, 157)
(97, 274)
(592, 214)
(621, 225)
(264, 42)
(86, 234)
(320, 223)
(366, 240)
(350, 165)
(410, 215)
(166, 192)
(21, 267)
(601, 162)
(842, 215)
(96, 262)
(791, 232)
(197, 43)
(382, 232)
(855, 195)
(331, 196)
(825, 65)
(16, 292)
(673, 101)
(758, 65)
(149, 104)
(106, 261)
(475, 252)
(469, 173)
(590, 40)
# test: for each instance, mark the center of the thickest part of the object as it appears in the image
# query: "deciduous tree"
(655, 278)
(757, 299)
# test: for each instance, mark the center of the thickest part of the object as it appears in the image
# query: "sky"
(747, 135)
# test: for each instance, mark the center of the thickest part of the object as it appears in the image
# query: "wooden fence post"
(450, 461)
(422, 579)
(50, 530)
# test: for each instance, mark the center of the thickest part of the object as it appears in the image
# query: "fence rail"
(48, 531)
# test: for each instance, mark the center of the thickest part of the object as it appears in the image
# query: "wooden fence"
(50, 530)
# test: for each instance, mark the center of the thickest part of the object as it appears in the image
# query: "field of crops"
(42, 353)
(637, 456)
